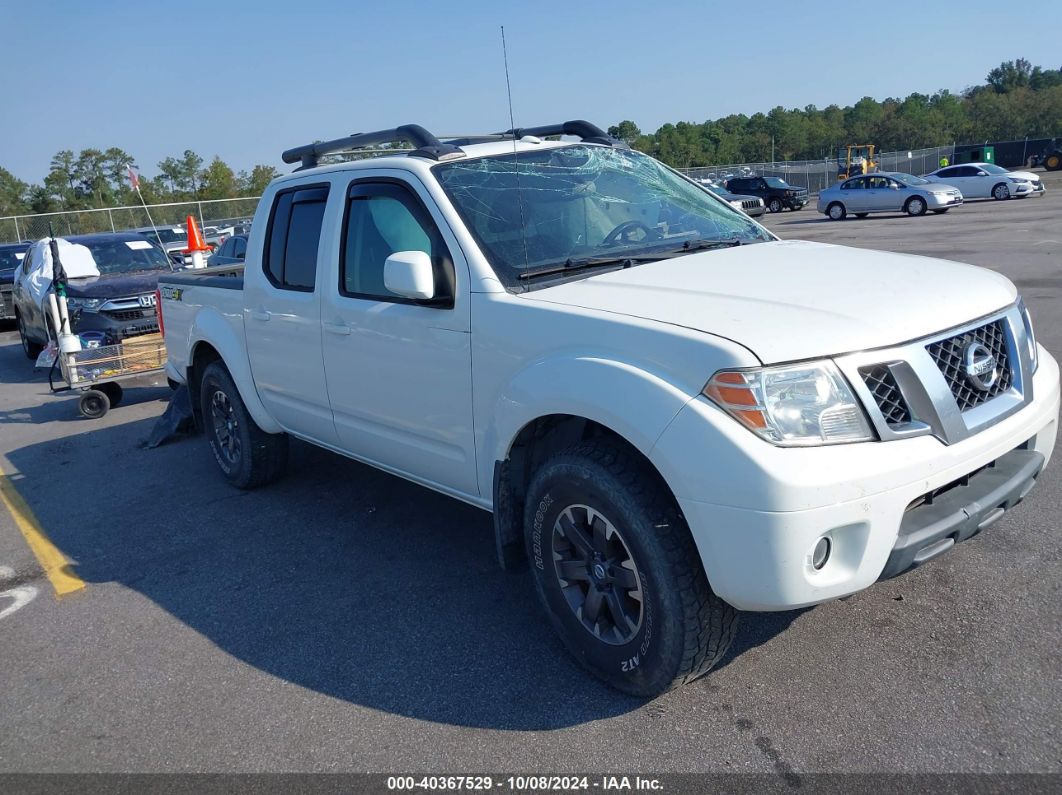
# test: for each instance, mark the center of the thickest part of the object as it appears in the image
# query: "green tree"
(626, 131)
(254, 184)
(217, 181)
(14, 194)
(1010, 75)
(191, 163)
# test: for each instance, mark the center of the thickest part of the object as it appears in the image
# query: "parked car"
(672, 414)
(889, 192)
(776, 193)
(119, 302)
(989, 181)
(752, 206)
(231, 252)
(172, 238)
(216, 235)
(11, 255)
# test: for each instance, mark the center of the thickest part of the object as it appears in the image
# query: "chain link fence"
(817, 175)
(219, 212)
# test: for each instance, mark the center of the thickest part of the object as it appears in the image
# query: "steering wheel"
(622, 233)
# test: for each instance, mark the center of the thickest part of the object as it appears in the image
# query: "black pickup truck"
(776, 193)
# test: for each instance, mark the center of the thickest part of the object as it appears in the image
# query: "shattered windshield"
(538, 211)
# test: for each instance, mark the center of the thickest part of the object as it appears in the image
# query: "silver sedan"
(886, 192)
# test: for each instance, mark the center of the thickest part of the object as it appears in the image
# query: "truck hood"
(115, 285)
(792, 300)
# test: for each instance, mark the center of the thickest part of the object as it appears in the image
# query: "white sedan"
(988, 181)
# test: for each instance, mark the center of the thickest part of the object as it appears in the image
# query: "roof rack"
(427, 145)
(590, 133)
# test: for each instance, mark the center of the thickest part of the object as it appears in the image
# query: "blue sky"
(248, 80)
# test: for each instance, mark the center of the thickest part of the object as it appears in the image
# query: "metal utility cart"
(98, 372)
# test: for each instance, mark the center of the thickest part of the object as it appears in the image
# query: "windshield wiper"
(701, 245)
(573, 264)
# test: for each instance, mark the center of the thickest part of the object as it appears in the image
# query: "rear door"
(400, 370)
(282, 315)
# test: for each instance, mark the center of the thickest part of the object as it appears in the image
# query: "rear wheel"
(93, 404)
(1053, 162)
(775, 205)
(247, 456)
(617, 571)
(915, 206)
(30, 348)
(836, 212)
(1001, 192)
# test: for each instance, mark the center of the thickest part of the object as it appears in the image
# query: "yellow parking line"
(55, 565)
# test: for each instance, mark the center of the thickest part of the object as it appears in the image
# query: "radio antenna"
(516, 157)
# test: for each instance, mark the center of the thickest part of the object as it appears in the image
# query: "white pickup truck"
(672, 414)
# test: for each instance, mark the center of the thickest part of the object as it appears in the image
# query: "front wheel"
(247, 456)
(915, 206)
(774, 205)
(618, 573)
(836, 212)
(1001, 192)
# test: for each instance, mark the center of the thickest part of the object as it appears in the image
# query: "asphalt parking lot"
(346, 620)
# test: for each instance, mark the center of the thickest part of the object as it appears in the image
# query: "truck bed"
(227, 277)
(188, 299)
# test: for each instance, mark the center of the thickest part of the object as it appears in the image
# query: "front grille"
(7, 303)
(886, 394)
(125, 314)
(948, 354)
(749, 205)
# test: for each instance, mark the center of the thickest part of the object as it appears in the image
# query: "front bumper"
(939, 201)
(757, 511)
(797, 203)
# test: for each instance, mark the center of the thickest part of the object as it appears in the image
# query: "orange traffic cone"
(196, 245)
(195, 239)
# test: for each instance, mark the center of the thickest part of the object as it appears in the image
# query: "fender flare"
(212, 329)
(636, 404)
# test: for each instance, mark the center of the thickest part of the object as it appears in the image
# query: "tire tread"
(708, 623)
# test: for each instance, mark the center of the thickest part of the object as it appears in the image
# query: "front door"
(282, 315)
(400, 370)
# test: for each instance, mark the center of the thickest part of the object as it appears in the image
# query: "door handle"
(261, 314)
(341, 329)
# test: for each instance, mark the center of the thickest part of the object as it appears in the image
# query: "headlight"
(1030, 337)
(1019, 181)
(736, 203)
(84, 304)
(800, 404)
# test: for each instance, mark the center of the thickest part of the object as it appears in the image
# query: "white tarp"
(77, 262)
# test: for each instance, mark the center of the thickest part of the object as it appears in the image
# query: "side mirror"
(409, 274)
(982, 173)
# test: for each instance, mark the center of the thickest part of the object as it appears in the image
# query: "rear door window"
(293, 238)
